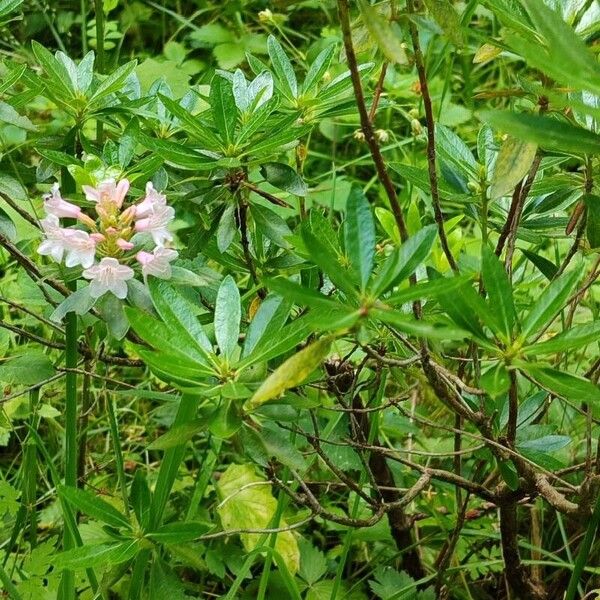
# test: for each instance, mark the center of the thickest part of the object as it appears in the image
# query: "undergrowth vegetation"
(299, 299)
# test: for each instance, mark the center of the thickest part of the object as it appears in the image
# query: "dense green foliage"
(299, 300)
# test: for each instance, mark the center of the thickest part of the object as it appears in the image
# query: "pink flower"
(53, 244)
(80, 248)
(109, 275)
(153, 199)
(124, 244)
(156, 223)
(54, 204)
(107, 192)
(158, 263)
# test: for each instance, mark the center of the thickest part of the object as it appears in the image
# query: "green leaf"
(509, 474)
(387, 36)
(571, 387)
(179, 315)
(161, 337)
(56, 71)
(282, 67)
(179, 533)
(8, 6)
(513, 163)
(328, 262)
(302, 295)
(7, 227)
(224, 110)
(291, 373)
(226, 229)
(564, 45)
(179, 435)
(96, 556)
(455, 152)
(545, 266)
(112, 311)
(193, 125)
(268, 319)
(113, 83)
(26, 369)
(403, 261)
(272, 442)
(359, 235)
(447, 18)
(80, 302)
(407, 324)
(550, 301)
(318, 68)
(246, 506)
(567, 340)
(592, 228)
(313, 564)
(282, 176)
(547, 132)
(495, 380)
(93, 506)
(499, 291)
(466, 308)
(228, 313)
(545, 444)
(9, 115)
(271, 225)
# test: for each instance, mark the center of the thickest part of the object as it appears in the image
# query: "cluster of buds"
(108, 246)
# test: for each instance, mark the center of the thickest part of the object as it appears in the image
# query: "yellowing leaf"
(291, 373)
(245, 504)
(386, 35)
(513, 162)
(486, 53)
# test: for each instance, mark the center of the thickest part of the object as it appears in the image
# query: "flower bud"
(382, 135)
(359, 135)
(416, 127)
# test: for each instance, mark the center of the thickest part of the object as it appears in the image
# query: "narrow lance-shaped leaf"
(228, 313)
(549, 303)
(571, 387)
(359, 235)
(548, 132)
(404, 260)
(499, 291)
(94, 507)
(283, 68)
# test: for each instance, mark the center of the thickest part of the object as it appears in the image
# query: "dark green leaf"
(93, 506)
(359, 235)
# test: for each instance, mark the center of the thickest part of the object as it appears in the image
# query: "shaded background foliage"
(374, 371)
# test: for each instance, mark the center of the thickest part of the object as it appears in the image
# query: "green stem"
(169, 467)
(114, 432)
(282, 501)
(83, 13)
(30, 473)
(70, 476)
(584, 552)
(99, 9)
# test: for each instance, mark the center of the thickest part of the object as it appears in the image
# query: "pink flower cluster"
(105, 245)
